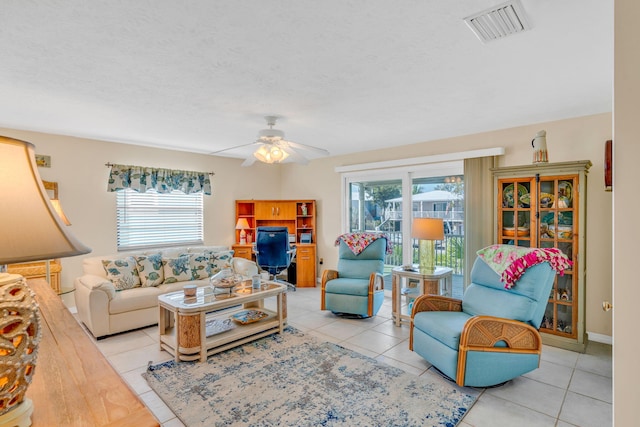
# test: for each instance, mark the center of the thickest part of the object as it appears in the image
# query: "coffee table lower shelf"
(194, 332)
(235, 336)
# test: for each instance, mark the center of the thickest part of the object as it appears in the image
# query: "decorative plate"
(546, 200)
(248, 316)
(217, 326)
(507, 195)
(565, 194)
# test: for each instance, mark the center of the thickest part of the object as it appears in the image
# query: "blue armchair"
(491, 335)
(357, 286)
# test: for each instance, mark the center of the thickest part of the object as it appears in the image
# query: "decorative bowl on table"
(511, 232)
(223, 283)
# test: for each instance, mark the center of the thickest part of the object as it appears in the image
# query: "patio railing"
(449, 252)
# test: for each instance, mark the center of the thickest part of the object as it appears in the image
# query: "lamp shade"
(58, 208)
(30, 228)
(428, 229)
(242, 224)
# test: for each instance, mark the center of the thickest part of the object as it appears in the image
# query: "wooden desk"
(73, 384)
(305, 261)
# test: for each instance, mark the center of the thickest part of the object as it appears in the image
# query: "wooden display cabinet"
(543, 205)
(299, 216)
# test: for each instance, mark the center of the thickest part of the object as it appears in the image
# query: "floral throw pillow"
(150, 269)
(176, 269)
(200, 265)
(220, 260)
(123, 272)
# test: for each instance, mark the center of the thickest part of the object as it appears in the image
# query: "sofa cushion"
(135, 299)
(348, 286)
(220, 260)
(200, 265)
(444, 326)
(176, 269)
(150, 269)
(123, 272)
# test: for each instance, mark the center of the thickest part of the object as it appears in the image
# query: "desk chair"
(273, 252)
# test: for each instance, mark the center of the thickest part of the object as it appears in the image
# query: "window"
(151, 219)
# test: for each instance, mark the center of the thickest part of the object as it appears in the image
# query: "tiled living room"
(569, 388)
(368, 95)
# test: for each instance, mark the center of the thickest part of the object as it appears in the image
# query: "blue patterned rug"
(297, 380)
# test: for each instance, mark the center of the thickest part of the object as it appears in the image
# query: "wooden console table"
(73, 384)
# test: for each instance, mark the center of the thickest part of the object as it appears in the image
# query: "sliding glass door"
(388, 200)
(371, 208)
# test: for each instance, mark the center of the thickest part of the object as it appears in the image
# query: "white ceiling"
(345, 75)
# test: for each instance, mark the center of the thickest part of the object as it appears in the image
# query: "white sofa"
(105, 310)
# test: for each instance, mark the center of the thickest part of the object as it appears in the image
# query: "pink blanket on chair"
(357, 242)
(510, 262)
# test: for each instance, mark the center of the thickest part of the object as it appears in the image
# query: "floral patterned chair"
(491, 335)
(356, 287)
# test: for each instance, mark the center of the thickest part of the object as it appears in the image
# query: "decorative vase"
(539, 144)
(20, 336)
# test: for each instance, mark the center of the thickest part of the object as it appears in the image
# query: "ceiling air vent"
(499, 21)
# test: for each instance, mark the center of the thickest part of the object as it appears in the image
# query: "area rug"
(295, 379)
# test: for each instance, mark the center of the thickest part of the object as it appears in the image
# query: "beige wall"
(626, 206)
(574, 139)
(78, 165)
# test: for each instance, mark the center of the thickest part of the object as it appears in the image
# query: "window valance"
(142, 179)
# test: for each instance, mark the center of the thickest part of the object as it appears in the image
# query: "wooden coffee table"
(197, 327)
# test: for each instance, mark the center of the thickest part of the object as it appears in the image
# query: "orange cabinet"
(306, 265)
(242, 251)
(275, 210)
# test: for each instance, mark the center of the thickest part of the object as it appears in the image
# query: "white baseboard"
(601, 338)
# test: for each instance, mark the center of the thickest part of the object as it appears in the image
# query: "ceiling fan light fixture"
(268, 153)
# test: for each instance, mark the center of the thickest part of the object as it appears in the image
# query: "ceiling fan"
(273, 148)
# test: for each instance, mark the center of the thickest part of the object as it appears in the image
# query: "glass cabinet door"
(558, 228)
(515, 220)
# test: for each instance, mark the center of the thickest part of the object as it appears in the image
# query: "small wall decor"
(43, 161)
(608, 165)
(539, 144)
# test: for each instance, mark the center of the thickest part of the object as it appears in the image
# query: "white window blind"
(151, 219)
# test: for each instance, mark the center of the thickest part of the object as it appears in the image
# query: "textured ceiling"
(345, 75)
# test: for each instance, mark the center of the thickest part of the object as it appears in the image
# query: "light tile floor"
(569, 389)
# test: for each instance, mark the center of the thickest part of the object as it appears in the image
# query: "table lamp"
(242, 225)
(427, 231)
(30, 230)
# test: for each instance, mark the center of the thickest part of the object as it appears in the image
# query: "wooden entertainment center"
(299, 216)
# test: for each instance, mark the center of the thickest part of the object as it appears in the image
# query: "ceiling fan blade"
(249, 161)
(316, 150)
(295, 157)
(233, 148)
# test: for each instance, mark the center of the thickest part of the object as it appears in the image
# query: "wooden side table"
(440, 282)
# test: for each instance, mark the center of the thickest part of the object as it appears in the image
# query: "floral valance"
(142, 179)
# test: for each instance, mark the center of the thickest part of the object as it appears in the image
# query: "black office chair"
(273, 252)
